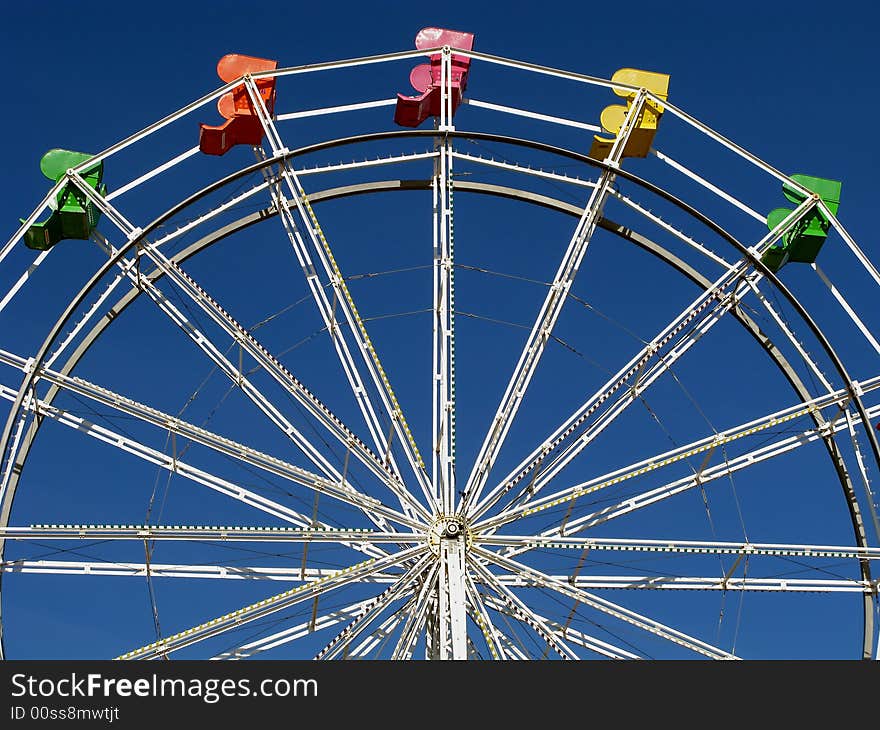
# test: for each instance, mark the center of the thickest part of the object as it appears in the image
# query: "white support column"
(452, 598)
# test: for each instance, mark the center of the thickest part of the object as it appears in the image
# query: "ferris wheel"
(361, 374)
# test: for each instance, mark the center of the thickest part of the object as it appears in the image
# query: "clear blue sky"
(794, 85)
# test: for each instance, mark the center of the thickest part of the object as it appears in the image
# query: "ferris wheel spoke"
(333, 326)
(443, 375)
(601, 604)
(373, 610)
(254, 394)
(706, 583)
(603, 648)
(169, 462)
(542, 329)
(169, 570)
(343, 301)
(280, 374)
(684, 484)
(538, 624)
(271, 605)
(480, 616)
(635, 368)
(684, 547)
(319, 623)
(640, 368)
(293, 633)
(97, 306)
(376, 510)
(544, 475)
(377, 638)
(511, 650)
(240, 334)
(417, 615)
(790, 336)
(22, 280)
(224, 533)
(705, 448)
(123, 275)
(443, 411)
(47, 201)
(235, 374)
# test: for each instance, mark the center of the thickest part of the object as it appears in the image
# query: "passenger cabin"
(641, 138)
(426, 78)
(242, 125)
(73, 214)
(804, 241)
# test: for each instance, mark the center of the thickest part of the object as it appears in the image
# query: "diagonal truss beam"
(343, 491)
(548, 315)
(416, 618)
(537, 623)
(704, 447)
(276, 370)
(343, 301)
(603, 648)
(635, 367)
(372, 610)
(270, 605)
(605, 606)
(293, 633)
(240, 334)
(165, 461)
(678, 486)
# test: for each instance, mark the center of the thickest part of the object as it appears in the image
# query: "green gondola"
(73, 214)
(804, 241)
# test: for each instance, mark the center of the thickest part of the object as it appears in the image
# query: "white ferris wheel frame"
(443, 542)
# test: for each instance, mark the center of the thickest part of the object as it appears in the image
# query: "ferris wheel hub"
(447, 527)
